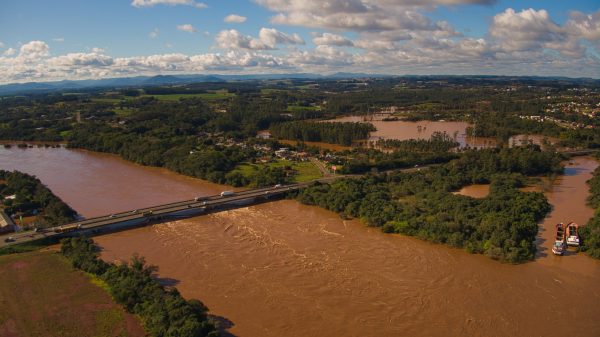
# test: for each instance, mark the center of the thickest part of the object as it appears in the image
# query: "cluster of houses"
(584, 108)
(559, 122)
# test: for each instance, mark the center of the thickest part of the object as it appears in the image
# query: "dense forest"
(164, 312)
(31, 198)
(328, 132)
(438, 142)
(590, 233)
(502, 225)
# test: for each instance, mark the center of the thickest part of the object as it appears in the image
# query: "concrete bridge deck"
(142, 216)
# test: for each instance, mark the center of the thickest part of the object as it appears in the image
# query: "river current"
(286, 269)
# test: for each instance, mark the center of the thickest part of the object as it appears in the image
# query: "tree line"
(164, 312)
(590, 233)
(438, 142)
(31, 197)
(328, 132)
(502, 226)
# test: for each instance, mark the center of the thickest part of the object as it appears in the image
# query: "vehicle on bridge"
(67, 228)
(227, 193)
(148, 213)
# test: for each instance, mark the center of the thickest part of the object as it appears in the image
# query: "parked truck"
(227, 193)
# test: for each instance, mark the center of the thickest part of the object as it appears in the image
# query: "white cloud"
(525, 30)
(187, 28)
(268, 39)
(387, 36)
(357, 15)
(534, 30)
(34, 50)
(153, 34)
(151, 3)
(10, 52)
(375, 45)
(81, 59)
(1, 44)
(234, 18)
(329, 39)
(585, 26)
(58, 39)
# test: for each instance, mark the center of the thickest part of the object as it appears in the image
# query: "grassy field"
(268, 91)
(42, 295)
(305, 171)
(211, 96)
(293, 108)
(207, 96)
(107, 100)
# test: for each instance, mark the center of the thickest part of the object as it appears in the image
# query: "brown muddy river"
(404, 130)
(285, 269)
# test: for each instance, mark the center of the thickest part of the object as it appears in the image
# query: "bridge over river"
(154, 214)
(183, 209)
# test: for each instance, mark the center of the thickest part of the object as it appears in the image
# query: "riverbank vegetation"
(328, 132)
(438, 142)
(502, 225)
(590, 233)
(164, 312)
(208, 130)
(24, 196)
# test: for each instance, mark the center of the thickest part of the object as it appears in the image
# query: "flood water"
(475, 191)
(404, 130)
(286, 269)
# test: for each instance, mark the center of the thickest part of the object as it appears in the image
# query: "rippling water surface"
(286, 269)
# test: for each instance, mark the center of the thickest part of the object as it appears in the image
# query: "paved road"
(199, 204)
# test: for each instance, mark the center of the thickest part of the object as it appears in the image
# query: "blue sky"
(48, 40)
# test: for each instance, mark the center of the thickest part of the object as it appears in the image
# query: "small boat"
(573, 234)
(559, 246)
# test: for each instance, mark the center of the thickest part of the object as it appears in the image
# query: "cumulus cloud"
(329, 39)
(531, 30)
(357, 15)
(525, 30)
(586, 26)
(234, 18)
(268, 39)
(152, 3)
(1, 44)
(187, 28)
(81, 59)
(10, 52)
(386, 36)
(34, 50)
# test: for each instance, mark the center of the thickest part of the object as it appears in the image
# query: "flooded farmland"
(404, 130)
(286, 269)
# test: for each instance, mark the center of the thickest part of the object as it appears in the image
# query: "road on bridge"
(200, 204)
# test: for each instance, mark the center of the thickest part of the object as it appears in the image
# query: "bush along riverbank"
(164, 312)
(590, 233)
(25, 197)
(502, 226)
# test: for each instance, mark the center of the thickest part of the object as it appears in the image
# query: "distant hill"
(160, 80)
